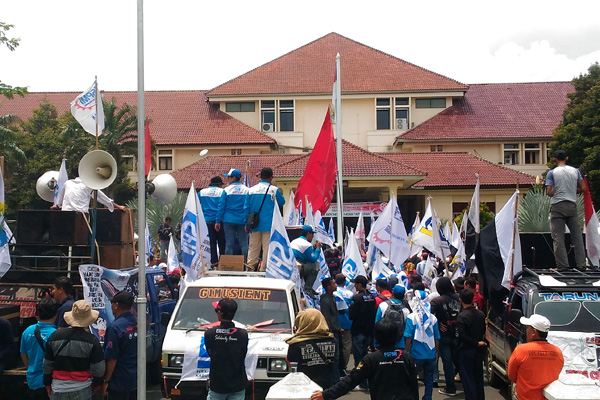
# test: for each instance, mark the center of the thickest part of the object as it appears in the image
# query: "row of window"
(527, 153)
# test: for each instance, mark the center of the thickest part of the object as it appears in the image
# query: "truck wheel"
(493, 379)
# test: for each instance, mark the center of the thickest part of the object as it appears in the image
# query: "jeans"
(471, 372)
(217, 239)
(231, 230)
(83, 394)
(112, 395)
(561, 213)
(448, 356)
(164, 248)
(360, 347)
(428, 366)
(226, 396)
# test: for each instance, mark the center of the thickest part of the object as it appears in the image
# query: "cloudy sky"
(199, 44)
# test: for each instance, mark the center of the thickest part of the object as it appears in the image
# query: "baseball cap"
(399, 289)
(360, 279)
(234, 172)
(123, 298)
(537, 322)
(308, 229)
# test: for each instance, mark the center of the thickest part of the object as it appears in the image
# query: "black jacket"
(446, 308)
(362, 313)
(227, 347)
(471, 328)
(391, 374)
(311, 363)
(330, 312)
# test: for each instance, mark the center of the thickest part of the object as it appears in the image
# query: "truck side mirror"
(164, 318)
(515, 316)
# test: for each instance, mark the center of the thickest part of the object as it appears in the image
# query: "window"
(165, 159)
(430, 103)
(286, 115)
(130, 163)
(533, 153)
(438, 147)
(511, 154)
(458, 208)
(268, 111)
(236, 152)
(383, 111)
(401, 113)
(240, 107)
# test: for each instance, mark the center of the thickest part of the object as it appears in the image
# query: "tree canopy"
(579, 132)
(11, 43)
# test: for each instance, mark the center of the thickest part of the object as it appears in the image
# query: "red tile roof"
(498, 111)
(448, 170)
(356, 162)
(177, 117)
(311, 69)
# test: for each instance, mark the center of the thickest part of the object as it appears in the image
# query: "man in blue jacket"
(209, 201)
(262, 197)
(307, 256)
(231, 213)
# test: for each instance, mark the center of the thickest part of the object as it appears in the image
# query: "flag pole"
(96, 99)
(338, 137)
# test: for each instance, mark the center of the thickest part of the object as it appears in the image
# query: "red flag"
(318, 180)
(592, 237)
(148, 151)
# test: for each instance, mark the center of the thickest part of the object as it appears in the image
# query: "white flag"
(321, 233)
(389, 235)
(509, 242)
(430, 272)
(353, 264)
(322, 274)
(173, 258)
(149, 248)
(281, 263)
(456, 240)
(60, 182)
(428, 234)
(414, 249)
(83, 109)
(331, 231)
(360, 233)
(195, 243)
(310, 217)
(5, 262)
(459, 262)
(289, 216)
(380, 270)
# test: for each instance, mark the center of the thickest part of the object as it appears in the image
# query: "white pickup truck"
(266, 308)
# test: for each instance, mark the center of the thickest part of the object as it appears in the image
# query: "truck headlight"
(176, 360)
(278, 365)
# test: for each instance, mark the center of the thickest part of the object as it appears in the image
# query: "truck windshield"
(570, 311)
(255, 306)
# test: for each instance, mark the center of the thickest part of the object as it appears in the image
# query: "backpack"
(395, 313)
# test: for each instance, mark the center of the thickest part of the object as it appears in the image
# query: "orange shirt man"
(537, 363)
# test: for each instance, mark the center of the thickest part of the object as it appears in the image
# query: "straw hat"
(82, 315)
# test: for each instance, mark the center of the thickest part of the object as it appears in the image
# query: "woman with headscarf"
(422, 339)
(313, 347)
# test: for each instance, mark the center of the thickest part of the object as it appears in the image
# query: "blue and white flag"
(331, 231)
(389, 235)
(360, 233)
(459, 262)
(322, 274)
(173, 258)
(281, 263)
(353, 264)
(289, 215)
(60, 182)
(5, 262)
(380, 270)
(321, 233)
(428, 236)
(195, 243)
(84, 108)
(149, 248)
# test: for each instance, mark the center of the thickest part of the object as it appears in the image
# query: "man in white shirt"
(75, 196)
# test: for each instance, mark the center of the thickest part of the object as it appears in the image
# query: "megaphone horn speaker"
(165, 189)
(45, 185)
(97, 169)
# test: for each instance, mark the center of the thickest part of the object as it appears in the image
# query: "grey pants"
(561, 214)
(309, 272)
(83, 394)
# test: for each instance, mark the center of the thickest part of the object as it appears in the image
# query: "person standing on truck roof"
(537, 363)
(33, 346)
(120, 350)
(63, 294)
(227, 347)
(307, 256)
(75, 196)
(231, 215)
(562, 184)
(270, 195)
(164, 237)
(209, 201)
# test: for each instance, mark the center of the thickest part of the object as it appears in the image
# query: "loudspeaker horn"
(45, 185)
(97, 169)
(165, 189)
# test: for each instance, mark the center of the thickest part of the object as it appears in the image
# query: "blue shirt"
(120, 343)
(254, 200)
(35, 354)
(304, 252)
(209, 201)
(231, 204)
(420, 350)
(400, 344)
(66, 305)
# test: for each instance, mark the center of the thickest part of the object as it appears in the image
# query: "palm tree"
(534, 211)
(8, 141)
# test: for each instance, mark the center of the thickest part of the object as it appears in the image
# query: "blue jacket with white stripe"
(231, 204)
(209, 201)
(255, 198)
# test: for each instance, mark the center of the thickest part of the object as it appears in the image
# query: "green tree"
(14, 156)
(11, 43)
(579, 131)
(485, 215)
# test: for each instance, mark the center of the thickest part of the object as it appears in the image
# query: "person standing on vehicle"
(120, 350)
(231, 213)
(307, 256)
(362, 314)
(33, 346)
(261, 199)
(562, 184)
(390, 371)
(164, 237)
(446, 307)
(470, 325)
(62, 292)
(313, 347)
(537, 363)
(73, 362)
(227, 347)
(209, 201)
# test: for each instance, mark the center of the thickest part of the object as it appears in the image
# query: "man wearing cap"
(209, 201)
(307, 256)
(562, 184)
(262, 199)
(391, 309)
(231, 213)
(120, 349)
(164, 237)
(362, 314)
(227, 347)
(537, 363)
(73, 362)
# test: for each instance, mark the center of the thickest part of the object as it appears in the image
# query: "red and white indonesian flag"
(592, 238)
(83, 109)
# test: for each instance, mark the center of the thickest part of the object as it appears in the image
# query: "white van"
(266, 307)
